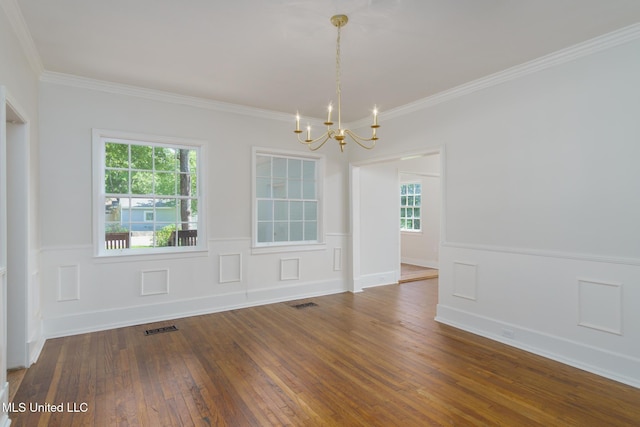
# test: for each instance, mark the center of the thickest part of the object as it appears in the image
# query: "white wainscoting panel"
(230, 266)
(154, 282)
(337, 259)
(465, 280)
(600, 305)
(289, 268)
(68, 283)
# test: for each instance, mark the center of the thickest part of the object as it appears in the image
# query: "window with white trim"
(148, 195)
(287, 199)
(410, 206)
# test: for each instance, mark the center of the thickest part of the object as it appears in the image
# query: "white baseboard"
(35, 348)
(135, 315)
(427, 263)
(607, 364)
(377, 279)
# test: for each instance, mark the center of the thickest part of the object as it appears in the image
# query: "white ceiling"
(280, 54)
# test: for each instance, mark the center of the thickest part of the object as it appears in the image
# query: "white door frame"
(354, 284)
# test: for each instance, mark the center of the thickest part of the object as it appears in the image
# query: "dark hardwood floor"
(372, 359)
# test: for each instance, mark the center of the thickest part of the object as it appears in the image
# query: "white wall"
(107, 292)
(378, 222)
(18, 82)
(541, 242)
(422, 248)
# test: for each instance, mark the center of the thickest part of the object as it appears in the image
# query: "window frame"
(410, 230)
(288, 246)
(100, 137)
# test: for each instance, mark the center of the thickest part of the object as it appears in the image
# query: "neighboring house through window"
(410, 206)
(148, 194)
(287, 199)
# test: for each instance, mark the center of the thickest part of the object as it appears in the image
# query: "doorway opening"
(16, 214)
(377, 241)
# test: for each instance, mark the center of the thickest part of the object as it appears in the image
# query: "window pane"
(281, 210)
(416, 224)
(409, 224)
(263, 166)
(403, 189)
(295, 210)
(309, 170)
(281, 232)
(295, 189)
(310, 230)
(141, 182)
(167, 210)
(403, 213)
(141, 157)
(410, 189)
(403, 201)
(116, 155)
(279, 188)
(309, 190)
(265, 232)
(296, 233)
(265, 210)
(165, 183)
(116, 182)
(279, 167)
(295, 169)
(417, 200)
(165, 159)
(310, 211)
(410, 200)
(409, 213)
(164, 234)
(418, 188)
(263, 187)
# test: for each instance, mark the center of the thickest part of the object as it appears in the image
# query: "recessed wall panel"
(465, 280)
(290, 269)
(230, 266)
(600, 306)
(68, 283)
(154, 282)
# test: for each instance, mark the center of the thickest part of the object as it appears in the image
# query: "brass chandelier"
(340, 133)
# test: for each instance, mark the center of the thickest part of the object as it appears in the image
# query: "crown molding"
(589, 47)
(158, 95)
(20, 29)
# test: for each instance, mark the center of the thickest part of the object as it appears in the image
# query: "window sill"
(134, 256)
(256, 250)
(411, 232)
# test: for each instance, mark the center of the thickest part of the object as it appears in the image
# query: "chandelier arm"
(361, 141)
(319, 146)
(324, 137)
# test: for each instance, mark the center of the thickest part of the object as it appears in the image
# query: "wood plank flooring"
(411, 273)
(372, 359)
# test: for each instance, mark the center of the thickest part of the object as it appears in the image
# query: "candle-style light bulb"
(308, 132)
(375, 115)
(329, 109)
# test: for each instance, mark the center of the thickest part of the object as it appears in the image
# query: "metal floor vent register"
(161, 330)
(305, 305)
